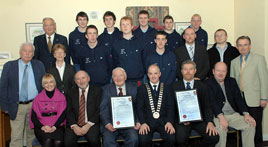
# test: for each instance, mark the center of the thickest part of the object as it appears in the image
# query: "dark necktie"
(155, 90)
(82, 103)
(120, 92)
(24, 84)
(49, 44)
(188, 87)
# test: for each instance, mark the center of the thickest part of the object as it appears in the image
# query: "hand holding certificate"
(188, 106)
(122, 112)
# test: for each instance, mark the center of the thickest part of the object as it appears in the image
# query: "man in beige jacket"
(250, 72)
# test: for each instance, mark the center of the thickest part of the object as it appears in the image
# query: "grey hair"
(27, 44)
(188, 62)
(119, 68)
(48, 18)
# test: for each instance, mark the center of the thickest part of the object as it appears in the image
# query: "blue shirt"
(32, 90)
(221, 51)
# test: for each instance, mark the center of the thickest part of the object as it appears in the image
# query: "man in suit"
(194, 52)
(221, 51)
(155, 109)
(44, 44)
(21, 81)
(228, 107)
(205, 127)
(250, 71)
(83, 112)
(118, 88)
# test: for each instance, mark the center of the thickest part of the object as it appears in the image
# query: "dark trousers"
(130, 137)
(183, 133)
(92, 137)
(146, 140)
(256, 113)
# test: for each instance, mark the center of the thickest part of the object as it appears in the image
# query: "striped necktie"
(82, 102)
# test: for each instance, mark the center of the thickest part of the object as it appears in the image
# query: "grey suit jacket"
(255, 78)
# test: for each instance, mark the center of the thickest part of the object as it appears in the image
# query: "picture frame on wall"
(5, 55)
(181, 26)
(33, 30)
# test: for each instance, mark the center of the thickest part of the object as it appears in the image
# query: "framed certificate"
(188, 106)
(122, 112)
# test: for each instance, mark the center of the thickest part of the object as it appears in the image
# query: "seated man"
(205, 127)
(83, 112)
(118, 88)
(155, 109)
(227, 105)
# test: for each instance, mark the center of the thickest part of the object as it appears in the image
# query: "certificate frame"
(125, 103)
(182, 104)
(32, 30)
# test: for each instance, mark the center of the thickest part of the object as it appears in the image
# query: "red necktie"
(82, 102)
(120, 92)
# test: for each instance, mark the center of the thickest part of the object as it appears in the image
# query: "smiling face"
(189, 36)
(220, 71)
(154, 74)
(26, 53)
(49, 26)
(143, 20)
(243, 46)
(59, 54)
(82, 79)
(119, 77)
(49, 84)
(82, 21)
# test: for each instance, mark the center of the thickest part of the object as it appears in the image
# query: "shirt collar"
(188, 46)
(86, 90)
(63, 65)
(155, 84)
(224, 48)
(191, 83)
(246, 57)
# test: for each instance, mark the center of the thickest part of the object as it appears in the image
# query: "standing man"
(205, 127)
(96, 58)
(20, 83)
(165, 59)
(155, 110)
(222, 51)
(83, 112)
(228, 107)
(194, 52)
(201, 34)
(250, 71)
(174, 39)
(145, 33)
(77, 38)
(44, 44)
(118, 88)
(110, 33)
(128, 53)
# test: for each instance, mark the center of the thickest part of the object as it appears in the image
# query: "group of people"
(47, 97)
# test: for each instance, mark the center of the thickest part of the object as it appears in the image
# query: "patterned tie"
(82, 102)
(191, 52)
(24, 84)
(188, 87)
(120, 92)
(49, 44)
(241, 73)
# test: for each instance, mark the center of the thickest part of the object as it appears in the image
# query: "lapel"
(113, 90)
(128, 92)
(65, 72)
(249, 60)
(35, 71)
(44, 42)
(56, 39)
(184, 49)
(76, 99)
(181, 85)
(16, 77)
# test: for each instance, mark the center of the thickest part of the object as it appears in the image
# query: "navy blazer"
(41, 51)
(233, 94)
(144, 108)
(9, 85)
(105, 107)
(203, 98)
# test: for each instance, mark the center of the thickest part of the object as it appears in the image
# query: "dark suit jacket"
(9, 85)
(214, 57)
(200, 58)
(110, 91)
(68, 77)
(233, 94)
(144, 109)
(41, 51)
(93, 105)
(203, 98)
